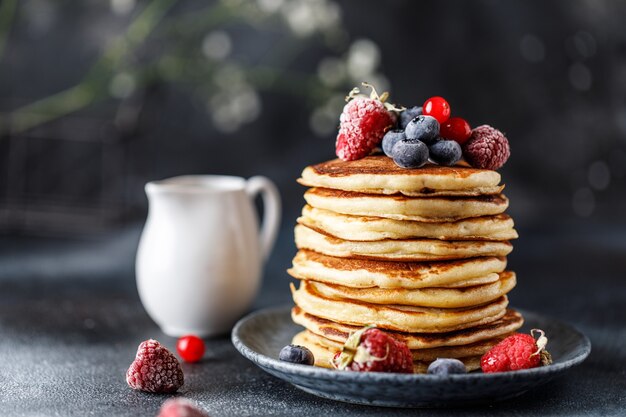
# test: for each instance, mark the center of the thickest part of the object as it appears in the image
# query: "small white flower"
(363, 58)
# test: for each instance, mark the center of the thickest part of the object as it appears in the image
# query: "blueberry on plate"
(410, 153)
(296, 354)
(407, 115)
(390, 139)
(445, 366)
(424, 128)
(445, 152)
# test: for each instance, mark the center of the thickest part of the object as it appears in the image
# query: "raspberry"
(363, 124)
(180, 407)
(155, 369)
(370, 349)
(487, 148)
(518, 351)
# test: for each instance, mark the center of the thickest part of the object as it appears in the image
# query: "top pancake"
(378, 174)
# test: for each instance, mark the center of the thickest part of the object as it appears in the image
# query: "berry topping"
(363, 124)
(456, 129)
(518, 351)
(370, 349)
(410, 153)
(390, 139)
(445, 152)
(445, 366)
(296, 354)
(407, 115)
(180, 407)
(190, 348)
(155, 369)
(438, 108)
(424, 128)
(487, 148)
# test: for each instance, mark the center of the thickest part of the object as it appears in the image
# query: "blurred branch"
(95, 83)
(7, 11)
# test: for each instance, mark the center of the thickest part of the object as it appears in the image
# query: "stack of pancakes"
(420, 253)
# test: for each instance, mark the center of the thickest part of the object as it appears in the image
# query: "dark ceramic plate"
(260, 336)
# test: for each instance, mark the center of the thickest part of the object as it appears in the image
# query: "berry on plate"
(363, 124)
(487, 148)
(456, 129)
(410, 153)
(390, 139)
(180, 407)
(370, 349)
(445, 152)
(407, 115)
(438, 108)
(155, 369)
(446, 366)
(296, 354)
(423, 128)
(518, 351)
(190, 348)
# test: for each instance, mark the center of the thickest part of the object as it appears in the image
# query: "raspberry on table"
(180, 407)
(487, 148)
(372, 350)
(155, 369)
(518, 351)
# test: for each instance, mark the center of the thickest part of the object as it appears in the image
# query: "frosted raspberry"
(487, 148)
(518, 351)
(155, 369)
(180, 407)
(362, 125)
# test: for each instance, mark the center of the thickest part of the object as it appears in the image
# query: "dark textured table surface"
(70, 323)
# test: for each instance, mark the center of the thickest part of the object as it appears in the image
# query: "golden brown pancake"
(395, 317)
(364, 273)
(399, 207)
(408, 250)
(378, 174)
(344, 226)
(340, 332)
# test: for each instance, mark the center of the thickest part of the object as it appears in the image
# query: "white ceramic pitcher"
(201, 254)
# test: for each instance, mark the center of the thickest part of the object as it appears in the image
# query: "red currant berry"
(190, 348)
(456, 129)
(438, 108)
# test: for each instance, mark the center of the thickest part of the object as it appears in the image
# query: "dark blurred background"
(99, 97)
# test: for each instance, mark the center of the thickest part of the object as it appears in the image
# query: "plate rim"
(265, 361)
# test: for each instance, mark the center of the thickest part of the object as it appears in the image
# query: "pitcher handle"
(271, 210)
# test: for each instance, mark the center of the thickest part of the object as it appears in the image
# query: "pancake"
(324, 355)
(398, 207)
(510, 322)
(395, 317)
(364, 273)
(343, 226)
(398, 250)
(380, 175)
(424, 297)
(429, 355)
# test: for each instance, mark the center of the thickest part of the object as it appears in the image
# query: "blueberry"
(445, 152)
(424, 128)
(410, 153)
(296, 354)
(390, 139)
(446, 367)
(407, 115)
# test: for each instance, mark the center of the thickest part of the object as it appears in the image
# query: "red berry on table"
(438, 108)
(487, 148)
(372, 350)
(190, 348)
(518, 351)
(456, 129)
(180, 407)
(155, 369)
(363, 124)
